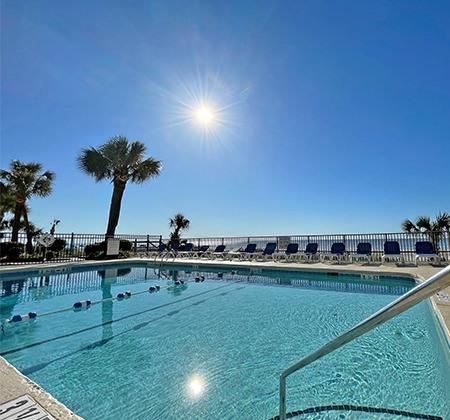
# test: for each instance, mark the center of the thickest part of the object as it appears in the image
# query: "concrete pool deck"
(13, 384)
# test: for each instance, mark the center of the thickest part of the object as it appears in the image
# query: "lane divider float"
(82, 304)
(24, 317)
(123, 295)
(86, 304)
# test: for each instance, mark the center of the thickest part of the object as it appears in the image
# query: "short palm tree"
(178, 223)
(6, 204)
(120, 161)
(434, 229)
(25, 180)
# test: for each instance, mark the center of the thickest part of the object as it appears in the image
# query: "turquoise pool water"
(214, 349)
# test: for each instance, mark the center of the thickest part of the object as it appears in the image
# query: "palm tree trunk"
(16, 222)
(29, 246)
(114, 208)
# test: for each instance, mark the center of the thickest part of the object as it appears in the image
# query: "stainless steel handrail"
(424, 290)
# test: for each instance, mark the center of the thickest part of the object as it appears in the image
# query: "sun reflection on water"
(195, 386)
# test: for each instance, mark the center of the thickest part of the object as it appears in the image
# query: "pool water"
(214, 349)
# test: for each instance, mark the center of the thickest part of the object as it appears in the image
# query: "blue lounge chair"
(425, 251)
(185, 250)
(392, 252)
(218, 252)
(310, 252)
(243, 254)
(291, 252)
(247, 253)
(157, 251)
(201, 251)
(337, 253)
(267, 253)
(363, 252)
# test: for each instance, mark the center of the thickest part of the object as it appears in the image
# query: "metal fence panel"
(73, 248)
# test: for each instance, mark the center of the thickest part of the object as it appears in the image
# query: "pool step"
(360, 408)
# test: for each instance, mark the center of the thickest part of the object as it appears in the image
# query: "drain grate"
(361, 408)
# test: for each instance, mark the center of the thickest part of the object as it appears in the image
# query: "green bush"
(97, 251)
(58, 245)
(125, 245)
(11, 250)
(14, 252)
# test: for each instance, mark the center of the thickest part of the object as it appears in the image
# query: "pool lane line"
(360, 408)
(98, 343)
(115, 320)
(96, 302)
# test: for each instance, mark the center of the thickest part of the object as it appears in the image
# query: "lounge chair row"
(424, 251)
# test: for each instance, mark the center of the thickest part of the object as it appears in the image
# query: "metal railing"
(68, 247)
(74, 244)
(423, 291)
(407, 242)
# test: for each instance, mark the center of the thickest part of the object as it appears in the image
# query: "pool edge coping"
(16, 384)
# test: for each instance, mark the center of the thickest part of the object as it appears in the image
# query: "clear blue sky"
(337, 114)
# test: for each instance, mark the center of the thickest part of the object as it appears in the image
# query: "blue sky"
(336, 115)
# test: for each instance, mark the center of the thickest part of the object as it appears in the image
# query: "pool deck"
(13, 384)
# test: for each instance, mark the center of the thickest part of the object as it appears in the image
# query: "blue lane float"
(123, 295)
(153, 289)
(220, 275)
(24, 317)
(82, 304)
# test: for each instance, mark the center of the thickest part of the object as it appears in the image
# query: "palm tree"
(31, 230)
(434, 229)
(177, 223)
(6, 204)
(120, 161)
(25, 180)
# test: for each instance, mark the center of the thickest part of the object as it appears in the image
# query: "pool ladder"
(434, 284)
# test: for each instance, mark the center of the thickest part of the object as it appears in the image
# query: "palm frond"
(442, 222)
(409, 226)
(136, 152)
(424, 223)
(7, 201)
(145, 170)
(179, 221)
(43, 185)
(93, 162)
(115, 150)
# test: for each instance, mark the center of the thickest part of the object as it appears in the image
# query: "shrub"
(14, 252)
(97, 251)
(58, 245)
(125, 245)
(11, 250)
(5, 247)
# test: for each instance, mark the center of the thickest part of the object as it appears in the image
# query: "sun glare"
(195, 386)
(204, 115)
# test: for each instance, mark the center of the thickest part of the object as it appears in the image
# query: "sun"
(204, 115)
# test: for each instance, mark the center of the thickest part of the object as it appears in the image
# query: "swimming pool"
(214, 349)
